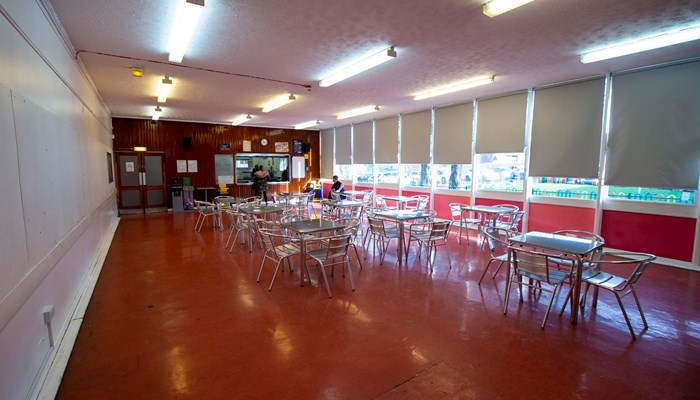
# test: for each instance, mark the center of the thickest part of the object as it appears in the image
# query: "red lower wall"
(661, 235)
(550, 218)
(441, 204)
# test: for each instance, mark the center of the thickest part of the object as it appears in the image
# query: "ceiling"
(246, 52)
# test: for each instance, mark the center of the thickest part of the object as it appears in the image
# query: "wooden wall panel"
(168, 136)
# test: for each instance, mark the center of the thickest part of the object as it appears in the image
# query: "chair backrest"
(439, 229)
(509, 206)
(381, 202)
(497, 240)
(531, 263)
(376, 225)
(422, 203)
(335, 246)
(616, 259)
(205, 206)
(456, 211)
(584, 235)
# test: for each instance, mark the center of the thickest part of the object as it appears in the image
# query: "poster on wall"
(281, 147)
(191, 165)
(227, 179)
(224, 147)
(297, 146)
(129, 166)
(181, 166)
(246, 145)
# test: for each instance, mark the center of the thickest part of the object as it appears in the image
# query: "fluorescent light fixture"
(360, 66)
(357, 111)
(453, 88)
(241, 119)
(278, 102)
(498, 7)
(307, 124)
(139, 148)
(156, 113)
(164, 89)
(649, 43)
(188, 13)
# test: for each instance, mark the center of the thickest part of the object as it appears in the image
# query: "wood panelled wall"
(168, 137)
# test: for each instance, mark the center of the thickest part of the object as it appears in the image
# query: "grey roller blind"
(362, 143)
(567, 130)
(327, 153)
(654, 138)
(452, 141)
(501, 124)
(343, 149)
(386, 136)
(415, 138)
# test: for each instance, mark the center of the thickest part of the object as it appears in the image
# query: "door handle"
(142, 178)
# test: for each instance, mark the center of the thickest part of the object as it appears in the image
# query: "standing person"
(261, 176)
(336, 188)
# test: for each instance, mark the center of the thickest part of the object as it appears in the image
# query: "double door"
(141, 182)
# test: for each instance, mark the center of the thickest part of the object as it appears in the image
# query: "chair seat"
(287, 249)
(555, 277)
(323, 254)
(605, 280)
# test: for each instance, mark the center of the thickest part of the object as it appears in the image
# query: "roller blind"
(327, 153)
(343, 148)
(501, 124)
(415, 138)
(362, 146)
(567, 130)
(452, 141)
(386, 136)
(654, 138)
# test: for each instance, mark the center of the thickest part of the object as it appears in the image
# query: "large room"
(456, 199)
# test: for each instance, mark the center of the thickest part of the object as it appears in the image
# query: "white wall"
(57, 207)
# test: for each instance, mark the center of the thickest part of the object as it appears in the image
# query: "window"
(276, 165)
(387, 173)
(570, 188)
(655, 195)
(417, 175)
(501, 172)
(364, 174)
(453, 176)
(344, 172)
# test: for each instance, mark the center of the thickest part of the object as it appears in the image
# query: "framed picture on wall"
(297, 146)
(110, 172)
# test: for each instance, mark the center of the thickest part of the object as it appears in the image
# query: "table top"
(561, 243)
(355, 192)
(260, 209)
(487, 209)
(295, 194)
(229, 200)
(343, 203)
(398, 198)
(402, 215)
(313, 225)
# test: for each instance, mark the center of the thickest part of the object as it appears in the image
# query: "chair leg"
(639, 307)
(447, 249)
(352, 282)
(325, 279)
(508, 287)
(549, 305)
(486, 269)
(274, 275)
(624, 314)
(357, 255)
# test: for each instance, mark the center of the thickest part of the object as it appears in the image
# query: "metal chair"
(333, 251)
(432, 235)
(497, 239)
(238, 222)
(380, 234)
(278, 247)
(207, 209)
(460, 219)
(510, 221)
(537, 267)
(618, 285)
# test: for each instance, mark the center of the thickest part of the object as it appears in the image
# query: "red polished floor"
(175, 316)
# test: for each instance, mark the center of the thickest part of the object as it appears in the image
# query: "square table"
(401, 216)
(400, 200)
(308, 227)
(486, 214)
(353, 193)
(568, 246)
(256, 210)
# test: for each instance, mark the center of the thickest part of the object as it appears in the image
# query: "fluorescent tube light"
(140, 148)
(497, 7)
(357, 111)
(188, 13)
(360, 66)
(241, 119)
(307, 124)
(164, 89)
(278, 102)
(452, 88)
(637, 46)
(156, 113)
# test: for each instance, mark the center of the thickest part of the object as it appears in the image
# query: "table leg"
(303, 260)
(576, 290)
(400, 243)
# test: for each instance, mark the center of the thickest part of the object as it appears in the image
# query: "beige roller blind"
(327, 153)
(452, 141)
(415, 138)
(567, 129)
(654, 138)
(362, 143)
(386, 136)
(343, 145)
(501, 124)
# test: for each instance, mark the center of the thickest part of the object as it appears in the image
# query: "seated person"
(336, 188)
